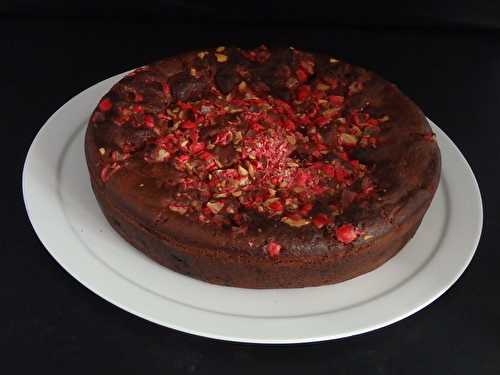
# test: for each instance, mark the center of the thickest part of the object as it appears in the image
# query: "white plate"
(66, 217)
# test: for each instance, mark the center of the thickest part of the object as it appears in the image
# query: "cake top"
(234, 137)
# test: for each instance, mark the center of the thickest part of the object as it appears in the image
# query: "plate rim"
(207, 333)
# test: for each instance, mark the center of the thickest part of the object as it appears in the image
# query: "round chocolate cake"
(263, 168)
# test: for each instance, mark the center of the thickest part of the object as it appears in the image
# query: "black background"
(446, 57)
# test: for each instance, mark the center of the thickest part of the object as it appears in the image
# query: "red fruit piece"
(340, 173)
(138, 97)
(257, 127)
(206, 156)
(180, 162)
(273, 248)
(368, 190)
(301, 75)
(184, 106)
(105, 105)
(307, 65)
(343, 155)
(329, 170)
(355, 163)
(302, 178)
(321, 220)
(304, 210)
(336, 99)
(165, 88)
(149, 121)
(289, 125)
(430, 137)
(197, 147)
(108, 171)
(346, 233)
(249, 55)
(303, 92)
(182, 158)
(276, 206)
(322, 121)
(188, 125)
(223, 138)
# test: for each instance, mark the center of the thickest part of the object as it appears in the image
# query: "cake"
(261, 168)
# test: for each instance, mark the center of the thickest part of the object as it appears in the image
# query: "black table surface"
(52, 323)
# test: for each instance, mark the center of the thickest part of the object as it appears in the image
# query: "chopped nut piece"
(237, 137)
(299, 222)
(196, 204)
(333, 61)
(220, 57)
(102, 150)
(292, 83)
(242, 86)
(178, 208)
(251, 170)
(348, 139)
(329, 113)
(291, 204)
(367, 237)
(235, 110)
(215, 207)
(202, 54)
(242, 171)
(322, 87)
(162, 155)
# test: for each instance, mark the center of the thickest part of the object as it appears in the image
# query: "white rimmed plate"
(55, 181)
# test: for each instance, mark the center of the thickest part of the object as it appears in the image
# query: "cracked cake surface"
(262, 168)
